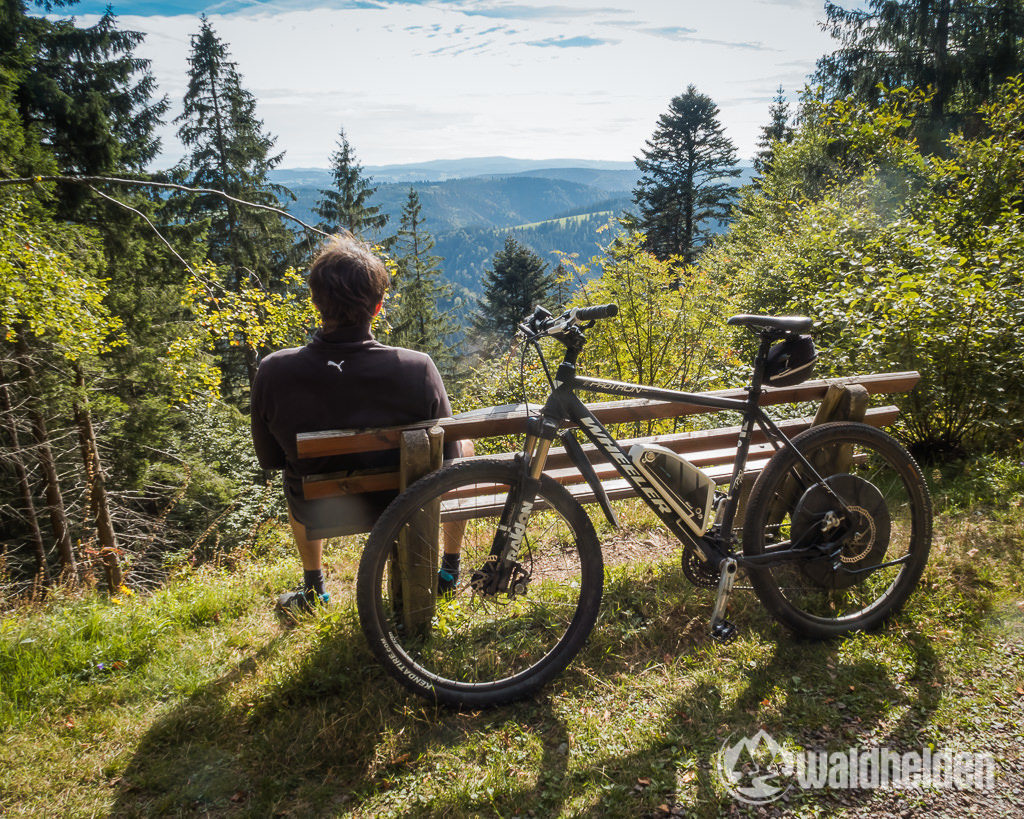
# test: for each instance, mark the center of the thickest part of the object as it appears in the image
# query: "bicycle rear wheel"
(887, 514)
(474, 649)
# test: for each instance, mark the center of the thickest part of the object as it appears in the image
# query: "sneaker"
(301, 601)
(446, 583)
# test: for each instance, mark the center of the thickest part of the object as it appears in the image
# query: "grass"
(194, 700)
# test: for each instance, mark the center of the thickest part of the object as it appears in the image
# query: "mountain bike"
(835, 534)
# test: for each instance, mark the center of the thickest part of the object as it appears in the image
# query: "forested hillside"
(478, 201)
(470, 217)
(468, 252)
(550, 210)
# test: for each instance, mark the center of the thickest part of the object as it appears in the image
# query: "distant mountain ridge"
(487, 201)
(438, 170)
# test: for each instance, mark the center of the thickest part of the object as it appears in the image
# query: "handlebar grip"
(598, 311)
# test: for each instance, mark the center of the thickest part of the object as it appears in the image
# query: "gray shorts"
(334, 517)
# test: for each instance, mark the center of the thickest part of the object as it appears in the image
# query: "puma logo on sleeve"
(336, 364)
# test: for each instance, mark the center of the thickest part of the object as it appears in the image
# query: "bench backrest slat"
(512, 419)
(704, 447)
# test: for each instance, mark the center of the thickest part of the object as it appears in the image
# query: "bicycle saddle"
(785, 324)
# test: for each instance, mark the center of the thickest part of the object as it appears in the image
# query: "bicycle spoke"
(880, 554)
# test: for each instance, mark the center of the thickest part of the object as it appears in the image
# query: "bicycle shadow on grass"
(272, 737)
(805, 693)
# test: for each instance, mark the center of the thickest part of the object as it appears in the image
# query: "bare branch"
(159, 235)
(90, 180)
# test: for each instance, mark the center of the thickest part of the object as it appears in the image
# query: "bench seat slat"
(484, 505)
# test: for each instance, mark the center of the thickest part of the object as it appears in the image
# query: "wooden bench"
(713, 450)
(420, 446)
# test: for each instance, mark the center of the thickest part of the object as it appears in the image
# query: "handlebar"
(598, 311)
(542, 323)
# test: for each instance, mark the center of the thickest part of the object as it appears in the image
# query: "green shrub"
(905, 261)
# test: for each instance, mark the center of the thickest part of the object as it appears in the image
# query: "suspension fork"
(511, 530)
(509, 536)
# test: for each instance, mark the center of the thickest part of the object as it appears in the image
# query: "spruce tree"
(229, 151)
(961, 49)
(345, 206)
(418, 317)
(516, 282)
(86, 95)
(777, 130)
(683, 190)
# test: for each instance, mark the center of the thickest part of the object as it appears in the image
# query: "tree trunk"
(99, 508)
(54, 498)
(252, 361)
(940, 51)
(24, 485)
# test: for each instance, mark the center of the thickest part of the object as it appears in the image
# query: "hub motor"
(864, 529)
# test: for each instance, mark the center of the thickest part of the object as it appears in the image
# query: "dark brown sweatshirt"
(340, 380)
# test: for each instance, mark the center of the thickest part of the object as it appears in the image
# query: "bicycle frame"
(563, 405)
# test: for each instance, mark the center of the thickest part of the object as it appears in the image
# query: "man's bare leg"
(452, 533)
(311, 553)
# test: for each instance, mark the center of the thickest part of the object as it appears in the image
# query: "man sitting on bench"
(342, 379)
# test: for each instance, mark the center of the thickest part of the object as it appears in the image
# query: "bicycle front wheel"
(882, 515)
(468, 648)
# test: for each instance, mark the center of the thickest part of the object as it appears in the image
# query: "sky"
(414, 80)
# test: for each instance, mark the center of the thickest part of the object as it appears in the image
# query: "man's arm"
(268, 450)
(438, 406)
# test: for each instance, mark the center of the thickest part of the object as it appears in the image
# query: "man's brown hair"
(347, 282)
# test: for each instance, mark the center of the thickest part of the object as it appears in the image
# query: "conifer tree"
(230, 151)
(86, 95)
(345, 206)
(962, 49)
(683, 189)
(517, 281)
(778, 129)
(418, 317)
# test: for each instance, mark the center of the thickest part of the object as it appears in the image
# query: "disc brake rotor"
(866, 520)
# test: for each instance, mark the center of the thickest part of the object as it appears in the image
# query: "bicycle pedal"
(724, 632)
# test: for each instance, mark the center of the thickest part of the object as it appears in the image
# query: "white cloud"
(442, 80)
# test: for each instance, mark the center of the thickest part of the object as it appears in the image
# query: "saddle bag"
(790, 362)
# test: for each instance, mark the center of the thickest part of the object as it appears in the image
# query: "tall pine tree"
(777, 130)
(230, 151)
(683, 190)
(517, 281)
(418, 316)
(345, 206)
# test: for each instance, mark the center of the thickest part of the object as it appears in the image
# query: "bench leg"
(842, 402)
(418, 546)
